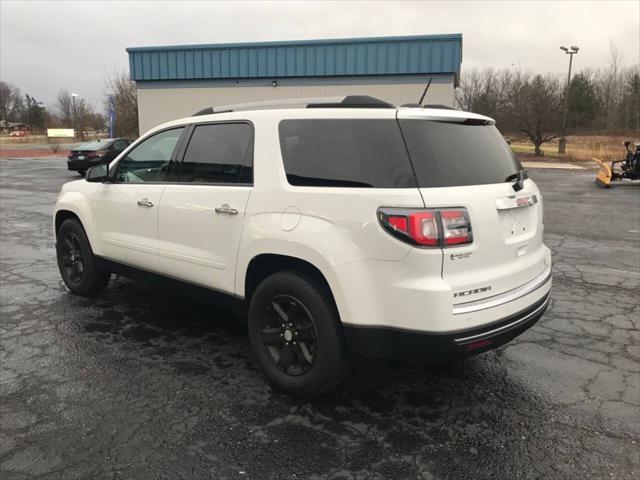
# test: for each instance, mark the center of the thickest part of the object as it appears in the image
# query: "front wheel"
(296, 333)
(78, 267)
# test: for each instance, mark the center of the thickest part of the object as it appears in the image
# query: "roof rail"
(353, 101)
(204, 111)
(349, 101)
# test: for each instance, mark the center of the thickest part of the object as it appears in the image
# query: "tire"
(79, 268)
(317, 361)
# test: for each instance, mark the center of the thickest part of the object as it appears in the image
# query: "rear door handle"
(145, 203)
(225, 209)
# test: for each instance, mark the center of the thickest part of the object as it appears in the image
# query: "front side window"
(219, 153)
(149, 160)
(345, 153)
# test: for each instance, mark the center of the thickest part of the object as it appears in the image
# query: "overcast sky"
(49, 45)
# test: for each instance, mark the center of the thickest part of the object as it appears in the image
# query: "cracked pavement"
(141, 383)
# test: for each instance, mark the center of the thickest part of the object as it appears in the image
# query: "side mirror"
(99, 173)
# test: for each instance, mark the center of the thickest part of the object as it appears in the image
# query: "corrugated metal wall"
(159, 105)
(315, 58)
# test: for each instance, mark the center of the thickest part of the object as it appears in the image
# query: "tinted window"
(345, 153)
(450, 154)
(94, 146)
(220, 153)
(120, 145)
(149, 160)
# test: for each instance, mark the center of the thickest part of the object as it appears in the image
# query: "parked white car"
(345, 227)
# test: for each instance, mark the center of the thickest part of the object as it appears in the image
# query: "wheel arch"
(66, 212)
(73, 201)
(265, 264)
(61, 216)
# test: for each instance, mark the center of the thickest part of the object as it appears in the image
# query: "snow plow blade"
(603, 178)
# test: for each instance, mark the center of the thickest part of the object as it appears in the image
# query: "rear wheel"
(296, 333)
(78, 267)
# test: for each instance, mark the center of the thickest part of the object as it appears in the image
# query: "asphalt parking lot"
(143, 384)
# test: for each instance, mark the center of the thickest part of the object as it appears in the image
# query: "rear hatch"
(462, 160)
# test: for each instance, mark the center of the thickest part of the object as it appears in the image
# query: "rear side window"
(454, 154)
(345, 153)
(219, 153)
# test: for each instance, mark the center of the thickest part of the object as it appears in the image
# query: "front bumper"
(438, 347)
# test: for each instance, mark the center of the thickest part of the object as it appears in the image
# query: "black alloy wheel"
(79, 268)
(71, 259)
(289, 335)
(297, 335)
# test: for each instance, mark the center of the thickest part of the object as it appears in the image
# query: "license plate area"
(517, 223)
(80, 157)
(517, 216)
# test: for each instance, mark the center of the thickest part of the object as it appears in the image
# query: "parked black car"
(95, 153)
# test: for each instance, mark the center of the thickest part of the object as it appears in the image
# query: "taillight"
(423, 228)
(439, 227)
(456, 226)
(96, 154)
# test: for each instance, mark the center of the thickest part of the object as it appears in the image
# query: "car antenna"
(425, 91)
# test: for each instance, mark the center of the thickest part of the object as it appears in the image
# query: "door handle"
(226, 209)
(145, 203)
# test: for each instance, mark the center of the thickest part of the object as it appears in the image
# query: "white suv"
(344, 226)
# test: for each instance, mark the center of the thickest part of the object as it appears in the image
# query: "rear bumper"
(83, 165)
(436, 347)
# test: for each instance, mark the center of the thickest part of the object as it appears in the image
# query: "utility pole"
(112, 114)
(562, 144)
(75, 113)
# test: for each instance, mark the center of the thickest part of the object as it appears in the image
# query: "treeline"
(72, 111)
(531, 105)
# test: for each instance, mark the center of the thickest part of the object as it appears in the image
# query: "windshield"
(455, 154)
(95, 145)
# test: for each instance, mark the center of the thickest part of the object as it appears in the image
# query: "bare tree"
(74, 112)
(612, 80)
(11, 105)
(65, 108)
(125, 99)
(534, 107)
(484, 92)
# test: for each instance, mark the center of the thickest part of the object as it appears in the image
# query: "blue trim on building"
(298, 81)
(410, 55)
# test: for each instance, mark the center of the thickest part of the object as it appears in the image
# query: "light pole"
(562, 144)
(75, 113)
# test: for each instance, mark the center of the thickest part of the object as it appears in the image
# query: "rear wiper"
(519, 178)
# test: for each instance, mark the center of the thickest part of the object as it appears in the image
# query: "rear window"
(93, 146)
(450, 154)
(345, 153)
